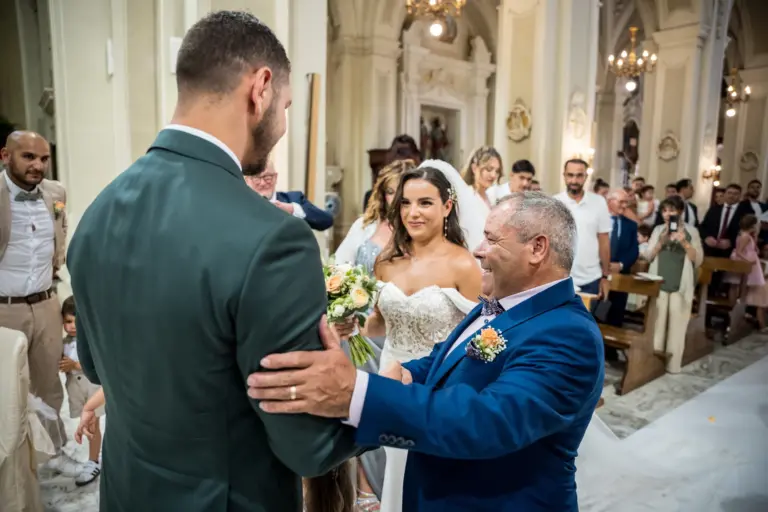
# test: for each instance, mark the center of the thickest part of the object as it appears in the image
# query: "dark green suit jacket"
(184, 278)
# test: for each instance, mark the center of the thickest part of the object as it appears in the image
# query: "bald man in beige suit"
(32, 249)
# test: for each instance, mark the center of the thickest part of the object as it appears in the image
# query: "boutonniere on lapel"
(486, 345)
(58, 208)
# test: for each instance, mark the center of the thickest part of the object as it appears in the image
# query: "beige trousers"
(671, 325)
(41, 324)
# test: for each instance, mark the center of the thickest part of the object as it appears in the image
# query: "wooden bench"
(739, 326)
(588, 299)
(644, 364)
(698, 343)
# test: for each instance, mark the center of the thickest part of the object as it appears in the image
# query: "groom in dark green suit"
(185, 278)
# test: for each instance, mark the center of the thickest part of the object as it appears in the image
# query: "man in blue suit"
(489, 427)
(624, 251)
(264, 181)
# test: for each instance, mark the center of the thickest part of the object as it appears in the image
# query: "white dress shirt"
(27, 265)
(206, 136)
(361, 381)
(592, 218)
(298, 211)
(70, 351)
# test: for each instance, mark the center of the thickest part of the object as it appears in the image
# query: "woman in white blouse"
(482, 172)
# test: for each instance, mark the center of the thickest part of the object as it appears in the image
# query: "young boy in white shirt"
(79, 390)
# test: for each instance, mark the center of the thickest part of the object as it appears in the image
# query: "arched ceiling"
(384, 18)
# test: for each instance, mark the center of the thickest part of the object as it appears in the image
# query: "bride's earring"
(445, 227)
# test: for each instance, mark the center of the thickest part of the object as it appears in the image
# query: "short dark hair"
(535, 182)
(674, 202)
(403, 147)
(754, 181)
(646, 188)
(220, 47)
(638, 178)
(600, 183)
(68, 306)
(671, 185)
(644, 230)
(734, 186)
(523, 166)
(576, 161)
(683, 183)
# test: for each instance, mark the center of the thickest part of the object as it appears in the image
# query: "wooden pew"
(644, 364)
(697, 342)
(739, 327)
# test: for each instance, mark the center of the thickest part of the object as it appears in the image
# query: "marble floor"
(710, 416)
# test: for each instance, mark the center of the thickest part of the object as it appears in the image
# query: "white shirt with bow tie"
(27, 265)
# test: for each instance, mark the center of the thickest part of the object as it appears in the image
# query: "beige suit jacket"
(55, 197)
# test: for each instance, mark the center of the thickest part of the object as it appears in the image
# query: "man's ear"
(262, 89)
(539, 247)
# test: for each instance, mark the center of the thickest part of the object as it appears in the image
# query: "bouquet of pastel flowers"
(351, 292)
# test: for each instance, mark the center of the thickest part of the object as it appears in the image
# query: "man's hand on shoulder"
(320, 383)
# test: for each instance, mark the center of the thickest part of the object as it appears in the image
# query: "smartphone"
(674, 221)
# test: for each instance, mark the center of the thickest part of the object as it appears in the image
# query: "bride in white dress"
(432, 281)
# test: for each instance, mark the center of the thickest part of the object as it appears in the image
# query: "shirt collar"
(513, 300)
(14, 188)
(206, 136)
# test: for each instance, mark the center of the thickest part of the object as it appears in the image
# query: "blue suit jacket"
(317, 219)
(497, 436)
(625, 249)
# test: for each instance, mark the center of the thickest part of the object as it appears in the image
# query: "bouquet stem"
(359, 349)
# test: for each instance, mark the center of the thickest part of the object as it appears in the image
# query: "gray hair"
(533, 214)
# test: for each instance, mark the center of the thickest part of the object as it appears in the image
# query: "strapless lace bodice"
(415, 323)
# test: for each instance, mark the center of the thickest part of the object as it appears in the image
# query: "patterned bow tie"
(28, 196)
(491, 307)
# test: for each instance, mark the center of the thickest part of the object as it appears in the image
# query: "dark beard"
(262, 142)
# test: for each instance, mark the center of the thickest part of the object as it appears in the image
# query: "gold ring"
(293, 392)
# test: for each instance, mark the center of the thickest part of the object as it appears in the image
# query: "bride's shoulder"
(461, 258)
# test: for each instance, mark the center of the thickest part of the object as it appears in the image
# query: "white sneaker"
(90, 471)
(65, 465)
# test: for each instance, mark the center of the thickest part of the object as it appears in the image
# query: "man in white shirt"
(32, 240)
(593, 221)
(520, 180)
(264, 182)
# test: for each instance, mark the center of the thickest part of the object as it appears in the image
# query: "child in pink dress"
(746, 250)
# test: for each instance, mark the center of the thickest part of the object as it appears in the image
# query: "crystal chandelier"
(436, 10)
(734, 96)
(629, 65)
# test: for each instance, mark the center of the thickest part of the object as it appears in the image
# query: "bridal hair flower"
(452, 195)
(486, 345)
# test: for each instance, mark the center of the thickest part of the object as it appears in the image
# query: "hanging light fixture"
(629, 65)
(735, 93)
(436, 10)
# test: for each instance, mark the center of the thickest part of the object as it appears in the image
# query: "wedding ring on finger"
(293, 392)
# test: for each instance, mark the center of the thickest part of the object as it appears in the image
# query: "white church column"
(745, 142)
(671, 133)
(364, 96)
(550, 48)
(605, 155)
(713, 54)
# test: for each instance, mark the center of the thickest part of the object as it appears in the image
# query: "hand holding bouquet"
(351, 293)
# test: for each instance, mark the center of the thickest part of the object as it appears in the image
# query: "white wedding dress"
(415, 323)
